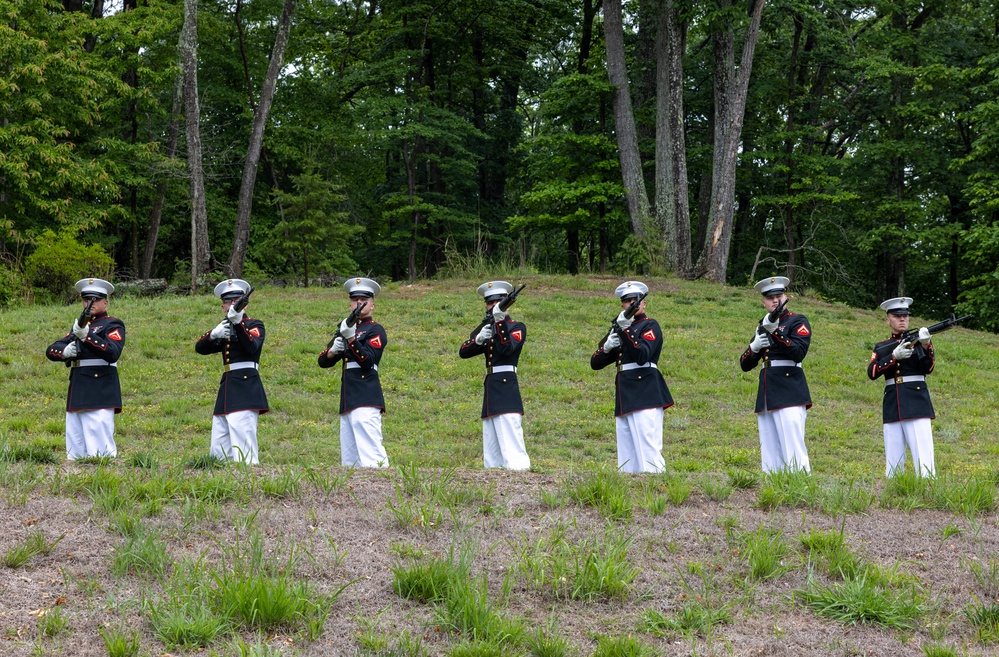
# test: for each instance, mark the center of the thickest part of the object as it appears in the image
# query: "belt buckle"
(766, 364)
(898, 380)
(489, 369)
(228, 368)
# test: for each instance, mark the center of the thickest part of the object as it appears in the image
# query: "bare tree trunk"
(624, 121)
(730, 106)
(200, 253)
(156, 217)
(672, 200)
(242, 236)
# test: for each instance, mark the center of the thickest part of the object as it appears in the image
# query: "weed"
(53, 623)
(119, 642)
(937, 650)
(622, 646)
(327, 482)
(860, 600)
(743, 479)
(716, 490)
(766, 550)
(545, 640)
(30, 547)
(284, 485)
(950, 530)
(206, 462)
(986, 574)
(468, 611)
(101, 460)
(142, 460)
(28, 453)
(605, 490)
(143, 553)
(433, 581)
(985, 619)
(787, 488)
(678, 489)
(692, 619)
(258, 648)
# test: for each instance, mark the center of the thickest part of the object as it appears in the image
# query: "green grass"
(32, 546)
(433, 397)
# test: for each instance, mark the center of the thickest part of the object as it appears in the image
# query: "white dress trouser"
(234, 436)
(361, 439)
(90, 433)
(503, 442)
(918, 435)
(782, 439)
(640, 441)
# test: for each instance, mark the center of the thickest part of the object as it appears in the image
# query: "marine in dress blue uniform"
(92, 353)
(241, 398)
(782, 399)
(906, 409)
(500, 340)
(359, 348)
(641, 393)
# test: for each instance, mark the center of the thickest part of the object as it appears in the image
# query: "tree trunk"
(624, 121)
(730, 104)
(188, 46)
(672, 200)
(260, 114)
(156, 217)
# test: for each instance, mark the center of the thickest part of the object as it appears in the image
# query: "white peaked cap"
(88, 286)
(494, 289)
(230, 287)
(361, 287)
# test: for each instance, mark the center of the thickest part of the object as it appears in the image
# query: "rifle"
(242, 302)
(772, 316)
(629, 312)
(352, 318)
(909, 338)
(83, 320)
(503, 304)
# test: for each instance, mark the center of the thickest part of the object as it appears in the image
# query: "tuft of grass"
(53, 623)
(29, 548)
(622, 646)
(986, 574)
(985, 619)
(546, 641)
(102, 460)
(937, 650)
(28, 454)
(743, 479)
(607, 491)
(284, 485)
(566, 567)
(468, 611)
(142, 461)
(143, 553)
(794, 488)
(434, 580)
(206, 462)
(861, 600)
(120, 642)
(715, 489)
(766, 551)
(692, 619)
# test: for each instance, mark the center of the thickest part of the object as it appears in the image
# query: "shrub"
(13, 286)
(59, 261)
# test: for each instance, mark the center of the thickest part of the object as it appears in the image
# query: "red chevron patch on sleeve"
(803, 331)
(376, 342)
(255, 332)
(115, 335)
(517, 335)
(649, 335)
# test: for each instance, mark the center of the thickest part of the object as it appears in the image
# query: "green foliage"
(984, 617)
(53, 623)
(692, 619)
(13, 286)
(621, 646)
(120, 642)
(606, 491)
(58, 261)
(32, 546)
(862, 601)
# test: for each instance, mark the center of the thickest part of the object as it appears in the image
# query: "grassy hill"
(160, 552)
(434, 398)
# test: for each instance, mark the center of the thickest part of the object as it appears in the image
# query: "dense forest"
(852, 146)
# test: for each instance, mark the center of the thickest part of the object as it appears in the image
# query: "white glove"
(769, 326)
(613, 341)
(347, 331)
(902, 352)
(624, 322)
(499, 314)
(234, 316)
(924, 336)
(70, 351)
(339, 346)
(80, 331)
(221, 332)
(485, 335)
(760, 341)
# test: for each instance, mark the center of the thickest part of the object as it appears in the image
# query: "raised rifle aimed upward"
(772, 316)
(504, 304)
(352, 318)
(629, 312)
(909, 338)
(242, 301)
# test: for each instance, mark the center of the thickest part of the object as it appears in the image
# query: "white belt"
(624, 367)
(242, 366)
(356, 366)
(497, 369)
(905, 379)
(780, 363)
(93, 362)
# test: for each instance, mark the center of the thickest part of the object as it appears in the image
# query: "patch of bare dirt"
(766, 620)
